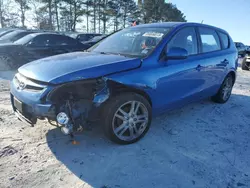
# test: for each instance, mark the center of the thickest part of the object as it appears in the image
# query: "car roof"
(87, 33)
(162, 24)
(176, 24)
(46, 33)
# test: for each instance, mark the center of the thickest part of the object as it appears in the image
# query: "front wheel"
(127, 118)
(225, 90)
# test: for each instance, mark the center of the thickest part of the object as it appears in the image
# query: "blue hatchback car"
(127, 78)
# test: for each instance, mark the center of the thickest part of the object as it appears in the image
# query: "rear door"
(214, 60)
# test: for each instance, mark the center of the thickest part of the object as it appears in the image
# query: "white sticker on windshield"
(153, 34)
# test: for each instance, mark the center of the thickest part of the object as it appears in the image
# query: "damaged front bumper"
(30, 112)
(48, 101)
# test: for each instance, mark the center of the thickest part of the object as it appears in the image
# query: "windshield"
(10, 35)
(25, 40)
(15, 35)
(133, 41)
(2, 33)
(97, 38)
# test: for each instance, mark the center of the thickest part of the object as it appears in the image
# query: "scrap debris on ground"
(200, 145)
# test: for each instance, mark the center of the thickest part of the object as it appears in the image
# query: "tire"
(5, 63)
(120, 124)
(244, 65)
(225, 90)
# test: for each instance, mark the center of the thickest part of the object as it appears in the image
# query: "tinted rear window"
(224, 40)
(60, 40)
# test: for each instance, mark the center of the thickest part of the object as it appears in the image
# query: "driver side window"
(40, 41)
(186, 39)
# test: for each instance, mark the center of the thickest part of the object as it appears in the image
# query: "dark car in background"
(93, 41)
(241, 48)
(15, 35)
(5, 31)
(83, 37)
(248, 49)
(245, 64)
(128, 77)
(35, 46)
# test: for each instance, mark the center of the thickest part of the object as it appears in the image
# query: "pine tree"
(23, 7)
(158, 11)
(74, 9)
(48, 4)
(129, 11)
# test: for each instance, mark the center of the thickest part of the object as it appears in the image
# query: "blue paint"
(76, 66)
(168, 83)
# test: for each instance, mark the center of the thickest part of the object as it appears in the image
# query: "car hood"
(8, 44)
(5, 41)
(77, 66)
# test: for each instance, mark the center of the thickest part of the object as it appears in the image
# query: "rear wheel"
(225, 90)
(245, 65)
(127, 118)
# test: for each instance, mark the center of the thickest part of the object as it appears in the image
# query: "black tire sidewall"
(243, 65)
(218, 97)
(110, 109)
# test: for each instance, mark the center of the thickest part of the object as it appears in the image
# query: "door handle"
(225, 62)
(198, 68)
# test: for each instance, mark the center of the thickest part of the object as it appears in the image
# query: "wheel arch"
(116, 88)
(233, 74)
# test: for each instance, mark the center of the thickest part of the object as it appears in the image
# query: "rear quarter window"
(224, 40)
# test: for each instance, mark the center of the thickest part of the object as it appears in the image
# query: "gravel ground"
(201, 145)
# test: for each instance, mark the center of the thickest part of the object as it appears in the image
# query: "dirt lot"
(201, 145)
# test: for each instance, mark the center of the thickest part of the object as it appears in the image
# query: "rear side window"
(41, 40)
(224, 40)
(209, 40)
(60, 40)
(20, 35)
(84, 37)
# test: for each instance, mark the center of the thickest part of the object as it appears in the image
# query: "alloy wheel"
(130, 120)
(227, 88)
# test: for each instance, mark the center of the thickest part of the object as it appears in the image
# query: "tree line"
(98, 16)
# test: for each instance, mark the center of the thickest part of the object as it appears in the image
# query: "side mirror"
(176, 53)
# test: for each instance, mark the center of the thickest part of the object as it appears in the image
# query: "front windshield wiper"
(108, 53)
(103, 53)
(113, 53)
